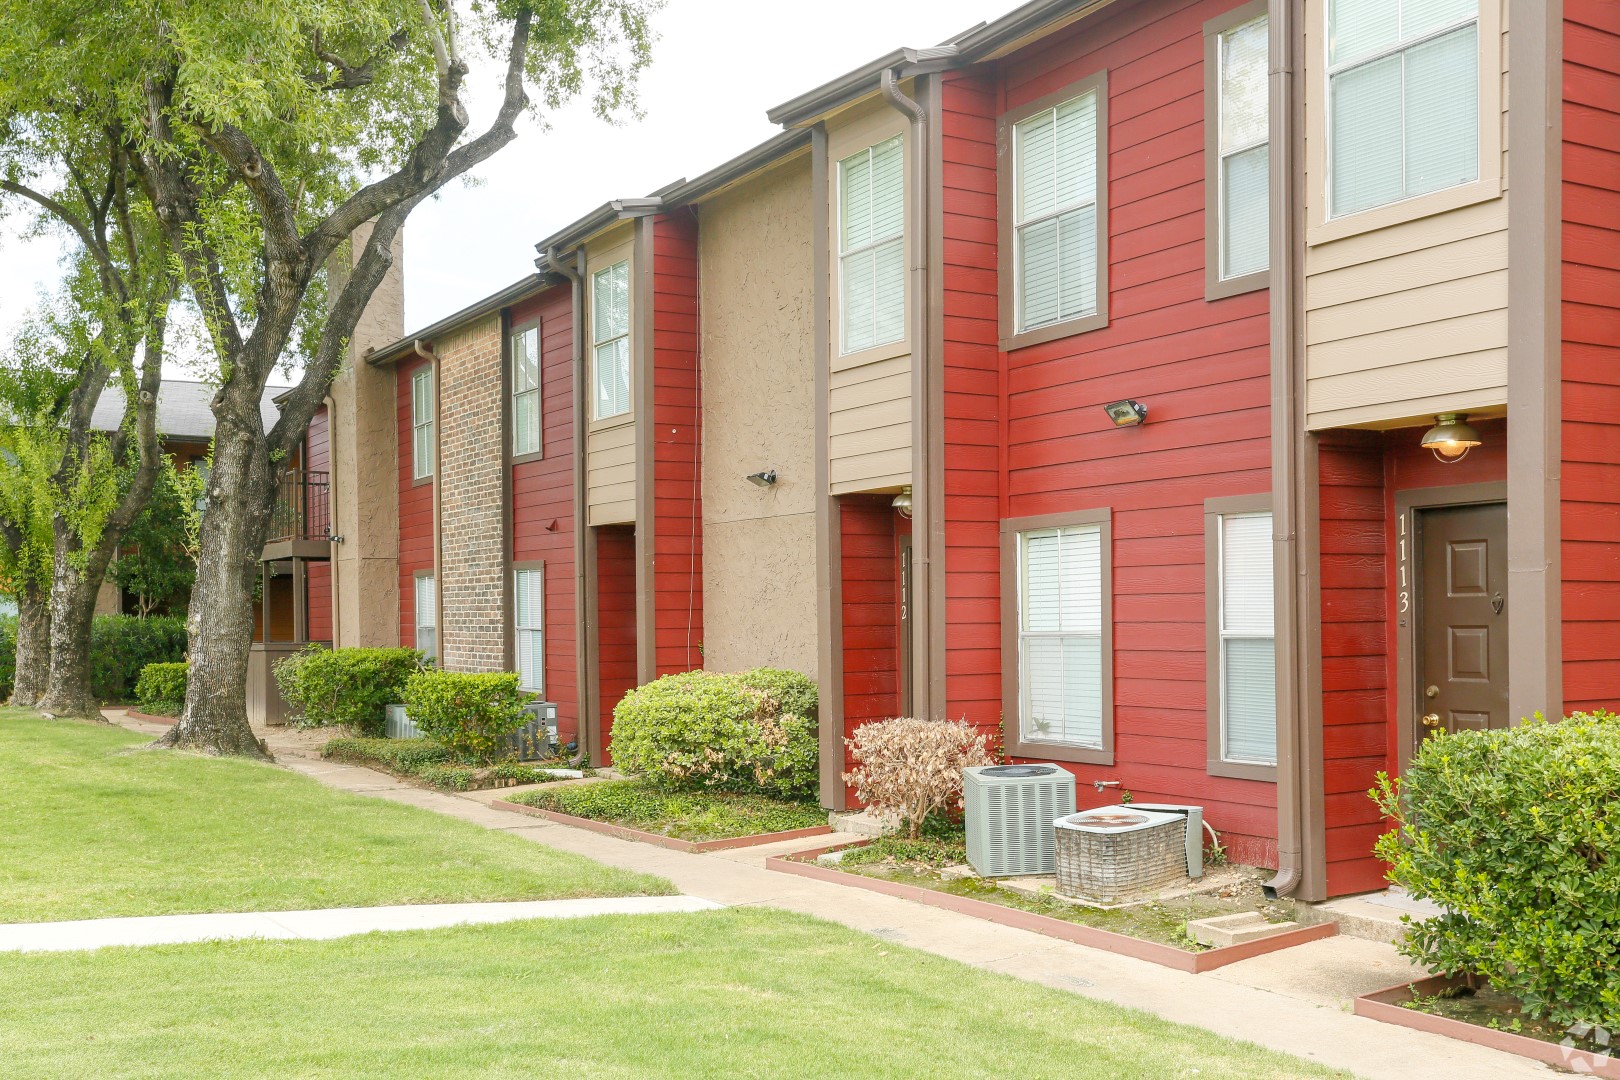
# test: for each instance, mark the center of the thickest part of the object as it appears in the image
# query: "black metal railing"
(303, 508)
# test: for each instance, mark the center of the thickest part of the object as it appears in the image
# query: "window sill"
(421, 481)
(1044, 751)
(887, 351)
(1055, 331)
(1399, 213)
(1238, 770)
(520, 459)
(1220, 288)
(622, 420)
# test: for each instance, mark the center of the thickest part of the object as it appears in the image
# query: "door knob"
(1433, 692)
(1431, 720)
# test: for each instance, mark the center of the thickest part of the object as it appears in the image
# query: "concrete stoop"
(863, 824)
(1371, 916)
(1223, 930)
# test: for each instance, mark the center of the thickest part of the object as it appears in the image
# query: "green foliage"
(934, 852)
(161, 689)
(432, 764)
(472, 715)
(349, 687)
(8, 655)
(122, 645)
(1516, 834)
(685, 815)
(157, 561)
(731, 732)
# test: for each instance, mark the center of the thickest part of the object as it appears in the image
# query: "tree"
(157, 561)
(280, 132)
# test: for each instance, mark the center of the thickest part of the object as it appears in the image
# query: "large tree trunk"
(33, 647)
(72, 610)
(220, 622)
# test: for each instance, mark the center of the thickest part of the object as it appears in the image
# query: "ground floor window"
(1243, 646)
(427, 617)
(528, 624)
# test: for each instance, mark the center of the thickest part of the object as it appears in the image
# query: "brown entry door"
(1462, 646)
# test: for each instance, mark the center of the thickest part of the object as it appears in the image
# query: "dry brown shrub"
(913, 766)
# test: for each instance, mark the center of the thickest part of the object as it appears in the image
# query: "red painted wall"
(318, 575)
(616, 624)
(415, 511)
(677, 438)
(543, 499)
(1201, 367)
(869, 529)
(1591, 355)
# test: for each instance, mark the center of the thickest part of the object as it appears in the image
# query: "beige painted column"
(363, 408)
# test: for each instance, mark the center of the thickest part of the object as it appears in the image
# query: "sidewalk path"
(1296, 1000)
(320, 924)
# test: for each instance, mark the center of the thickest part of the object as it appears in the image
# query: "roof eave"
(517, 291)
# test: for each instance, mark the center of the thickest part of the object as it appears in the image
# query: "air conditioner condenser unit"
(1009, 811)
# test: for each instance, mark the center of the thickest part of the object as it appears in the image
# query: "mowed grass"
(742, 992)
(92, 826)
(697, 815)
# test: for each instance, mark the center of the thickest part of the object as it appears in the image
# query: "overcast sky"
(718, 66)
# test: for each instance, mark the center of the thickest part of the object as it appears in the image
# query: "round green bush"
(474, 716)
(1516, 834)
(352, 687)
(752, 731)
(161, 689)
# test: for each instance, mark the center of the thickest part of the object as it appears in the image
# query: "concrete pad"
(1223, 930)
(1330, 972)
(319, 925)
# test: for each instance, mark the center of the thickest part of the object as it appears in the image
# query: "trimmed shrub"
(731, 732)
(352, 687)
(913, 766)
(120, 648)
(8, 655)
(161, 689)
(471, 715)
(432, 764)
(1516, 834)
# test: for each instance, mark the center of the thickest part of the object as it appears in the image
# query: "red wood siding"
(1201, 367)
(677, 438)
(318, 574)
(615, 625)
(871, 621)
(1591, 355)
(415, 512)
(543, 499)
(972, 435)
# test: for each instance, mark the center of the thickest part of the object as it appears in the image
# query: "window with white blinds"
(1056, 154)
(1403, 99)
(528, 624)
(427, 617)
(872, 246)
(1248, 671)
(1060, 635)
(422, 424)
(1243, 149)
(610, 339)
(526, 392)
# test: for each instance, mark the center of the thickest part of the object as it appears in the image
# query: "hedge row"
(120, 648)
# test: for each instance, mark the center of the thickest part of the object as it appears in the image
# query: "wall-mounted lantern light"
(1127, 413)
(902, 502)
(763, 479)
(1451, 438)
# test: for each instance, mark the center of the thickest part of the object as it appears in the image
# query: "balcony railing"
(303, 509)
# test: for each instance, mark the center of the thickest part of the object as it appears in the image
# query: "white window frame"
(599, 342)
(1217, 282)
(527, 396)
(425, 584)
(523, 632)
(1217, 513)
(424, 438)
(872, 245)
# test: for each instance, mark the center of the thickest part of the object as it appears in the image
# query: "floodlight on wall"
(902, 502)
(1451, 438)
(1127, 413)
(762, 479)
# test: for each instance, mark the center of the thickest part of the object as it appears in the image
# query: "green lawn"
(91, 826)
(742, 992)
(697, 816)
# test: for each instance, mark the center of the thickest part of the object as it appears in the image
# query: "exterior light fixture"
(1127, 413)
(1451, 438)
(762, 479)
(902, 502)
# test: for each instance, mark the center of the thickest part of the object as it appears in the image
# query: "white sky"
(719, 64)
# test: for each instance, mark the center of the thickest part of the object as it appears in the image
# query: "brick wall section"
(472, 556)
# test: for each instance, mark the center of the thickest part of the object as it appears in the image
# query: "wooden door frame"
(905, 632)
(1407, 506)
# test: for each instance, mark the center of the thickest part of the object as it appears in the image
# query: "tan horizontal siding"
(610, 475)
(869, 426)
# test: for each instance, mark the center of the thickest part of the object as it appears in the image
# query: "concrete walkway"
(1296, 1001)
(319, 925)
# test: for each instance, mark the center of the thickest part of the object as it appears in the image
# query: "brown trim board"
(643, 357)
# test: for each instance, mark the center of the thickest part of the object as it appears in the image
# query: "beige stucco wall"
(759, 546)
(1406, 305)
(364, 434)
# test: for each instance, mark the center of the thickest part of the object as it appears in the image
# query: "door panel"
(1462, 619)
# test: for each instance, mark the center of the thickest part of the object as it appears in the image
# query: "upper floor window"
(1058, 255)
(1240, 154)
(422, 447)
(1403, 100)
(1060, 636)
(610, 337)
(526, 391)
(871, 246)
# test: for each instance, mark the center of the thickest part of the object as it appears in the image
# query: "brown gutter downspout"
(927, 534)
(424, 349)
(583, 624)
(1285, 428)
